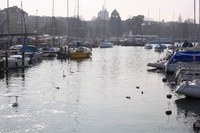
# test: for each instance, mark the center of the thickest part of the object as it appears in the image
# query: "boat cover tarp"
(185, 56)
(29, 48)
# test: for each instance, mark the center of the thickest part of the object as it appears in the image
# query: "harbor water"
(112, 92)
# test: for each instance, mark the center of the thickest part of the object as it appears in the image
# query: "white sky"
(126, 8)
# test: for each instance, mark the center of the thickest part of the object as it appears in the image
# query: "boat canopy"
(185, 56)
(160, 46)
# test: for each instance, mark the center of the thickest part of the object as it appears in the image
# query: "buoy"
(128, 97)
(168, 112)
(169, 96)
(164, 80)
(196, 126)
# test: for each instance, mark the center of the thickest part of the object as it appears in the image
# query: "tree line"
(113, 27)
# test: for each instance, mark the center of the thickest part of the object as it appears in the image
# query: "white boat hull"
(189, 90)
(171, 67)
(15, 61)
(148, 46)
(158, 65)
(106, 45)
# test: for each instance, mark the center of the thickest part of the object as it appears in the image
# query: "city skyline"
(154, 9)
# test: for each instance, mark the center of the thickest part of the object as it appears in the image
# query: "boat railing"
(189, 74)
(193, 66)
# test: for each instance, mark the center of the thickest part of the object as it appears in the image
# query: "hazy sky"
(126, 8)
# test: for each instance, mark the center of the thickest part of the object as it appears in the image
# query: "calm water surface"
(92, 96)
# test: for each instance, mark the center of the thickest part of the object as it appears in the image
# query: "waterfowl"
(15, 104)
(64, 74)
(128, 97)
(57, 87)
(71, 70)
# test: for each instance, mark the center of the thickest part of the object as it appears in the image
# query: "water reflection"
(13, 75)
(188, 106)
(93, 97)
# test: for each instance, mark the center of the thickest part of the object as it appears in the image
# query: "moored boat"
(148, 46)
(106, 44)
(189, 88)
(159, 47)
(15, 61)
(80, 52)
(160, 64)
(157, 65)
(49, 51)
(32, 52)
(182, 59)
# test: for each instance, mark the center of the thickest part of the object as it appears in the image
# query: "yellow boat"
(80, 53)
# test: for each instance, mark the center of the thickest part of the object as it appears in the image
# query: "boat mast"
(104, 21)
(25, 34)
(194, 21)
(36, 27)
(78, 9)
(199, 25)
(159, 25)
(68, 17)
(148, 28)
(8, 25)
(37, 22)
(52, 23)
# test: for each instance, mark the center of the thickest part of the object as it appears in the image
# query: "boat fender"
(196, 126)
(168, 112)
(164, 80)
(16, 64)
(169, 96)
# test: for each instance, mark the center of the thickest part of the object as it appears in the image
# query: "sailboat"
(104, 43)
(80, 52)
(50, 51)
(15, 60)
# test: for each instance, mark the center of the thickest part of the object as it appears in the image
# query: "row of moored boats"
(185, 65)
